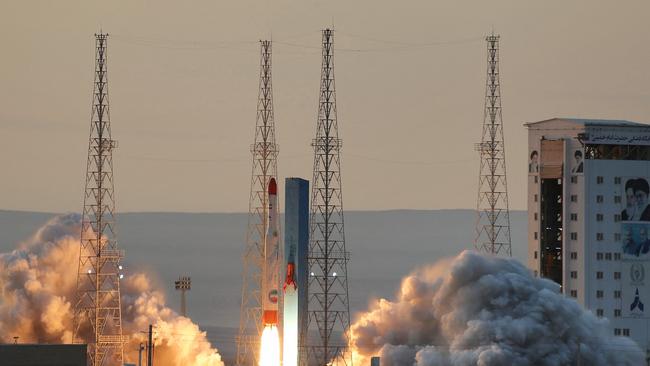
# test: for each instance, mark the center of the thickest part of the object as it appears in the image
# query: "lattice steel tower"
(328, 307)
(493, 217)
(265, 153)
(98, 312)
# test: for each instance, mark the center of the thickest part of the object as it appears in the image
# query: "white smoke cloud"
(480, 310)
(37, 291)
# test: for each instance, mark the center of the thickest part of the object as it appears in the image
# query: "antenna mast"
(328, 306)
(493, 217)
(265, 153)
(98, 311)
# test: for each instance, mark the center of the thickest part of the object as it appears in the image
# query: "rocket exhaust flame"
(270, 346)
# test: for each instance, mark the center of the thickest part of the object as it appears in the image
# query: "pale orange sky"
(183, 78)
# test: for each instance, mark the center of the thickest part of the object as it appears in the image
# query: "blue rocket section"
(296, 239)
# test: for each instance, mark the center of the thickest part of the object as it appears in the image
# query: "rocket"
(271, 259)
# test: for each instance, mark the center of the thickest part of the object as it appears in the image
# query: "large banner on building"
(635, 247)
(607, 137)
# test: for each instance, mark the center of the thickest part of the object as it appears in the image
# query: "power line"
(415, 44)
(183, 44)
(163, 43)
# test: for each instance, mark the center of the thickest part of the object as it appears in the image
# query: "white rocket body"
(271, 270)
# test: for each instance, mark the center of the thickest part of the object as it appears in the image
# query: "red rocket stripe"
(273, 187)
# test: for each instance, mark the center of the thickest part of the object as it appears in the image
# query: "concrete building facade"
(589, 216)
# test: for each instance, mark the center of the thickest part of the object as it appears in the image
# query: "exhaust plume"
(488, 311)
(38, 289)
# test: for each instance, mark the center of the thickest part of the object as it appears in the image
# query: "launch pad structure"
(264, 167)
(328, 302)
(97, 309)
(493, 216)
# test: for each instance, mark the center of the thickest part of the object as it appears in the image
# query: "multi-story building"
(589, 216)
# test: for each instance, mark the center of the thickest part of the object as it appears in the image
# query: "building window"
(600, 312)
(599, 198)
(536, 179)
(574, 236)
(617, 217)
(599, 217)
(617, 236)
(599, 256)
(599, 180)
(574, 293)
(574, 255)
(617, 294)
(535, 235)
(599, 294)
(599, 275)
(617, 313)
(617, 256)
(535, 216)
(617, 180)
(574, 274)
(574, 198)
(599, 236)
(617, 331)
(626, 332)
(574, 217)
(608, 256)
(535, 198)
(574, 179)
(617, 275)
(617, 199)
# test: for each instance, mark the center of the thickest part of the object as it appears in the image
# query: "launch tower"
(265, 153)
(493, 217)
(328, 305)
(97, 311)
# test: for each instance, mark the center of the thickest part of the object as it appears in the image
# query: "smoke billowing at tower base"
(38, 282)
(488, 311)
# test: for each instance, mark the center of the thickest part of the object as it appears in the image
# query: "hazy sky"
(183, 79)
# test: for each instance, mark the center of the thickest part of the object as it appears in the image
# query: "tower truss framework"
(328, 304)
(265, 152)
(493, 217)
(98, 312)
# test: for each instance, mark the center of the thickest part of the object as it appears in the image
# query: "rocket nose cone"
(273, 187)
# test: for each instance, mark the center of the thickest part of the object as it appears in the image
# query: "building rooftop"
(593, 122)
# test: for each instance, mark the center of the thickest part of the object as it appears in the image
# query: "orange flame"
(270, 346)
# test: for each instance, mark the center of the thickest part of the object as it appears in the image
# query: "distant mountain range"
(384, 246)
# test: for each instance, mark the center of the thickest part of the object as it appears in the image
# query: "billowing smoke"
(38, 284)
(480, 310)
